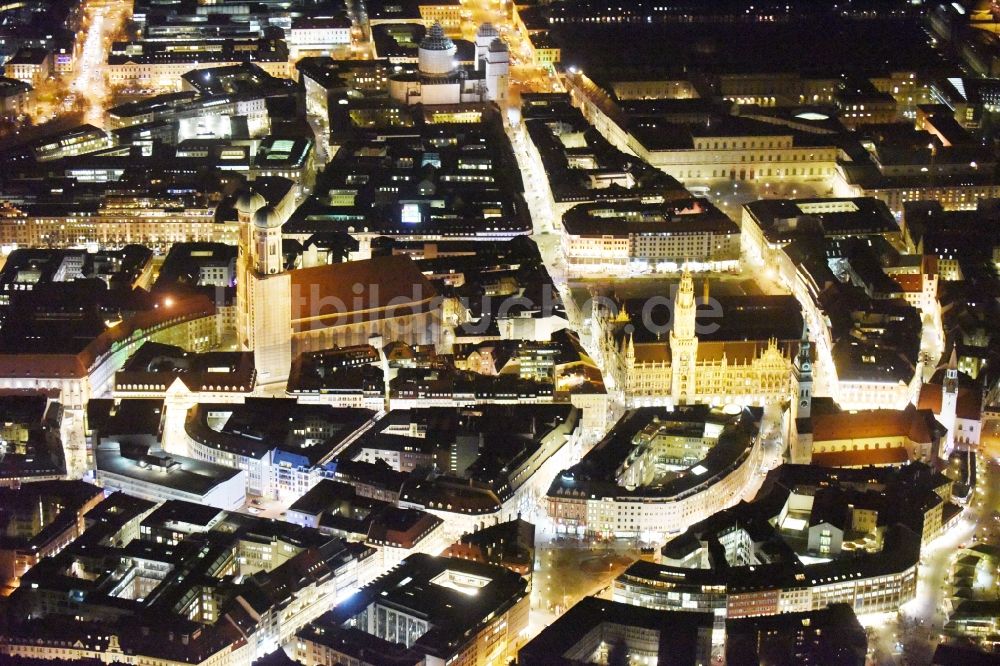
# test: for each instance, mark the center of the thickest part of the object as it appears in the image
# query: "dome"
(250, 201)
(267, 218)
(435, 40)
(487, 30)
(437, 53)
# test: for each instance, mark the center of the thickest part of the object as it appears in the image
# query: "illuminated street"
(283, 380)
(566, 570)
(83, 93)
(105, 21)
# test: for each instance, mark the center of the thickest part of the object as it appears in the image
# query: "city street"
(105, 22)
(568, 569)
(923, 618)
(66, 100)
(730, 197)
(242, 323)
(74, 443)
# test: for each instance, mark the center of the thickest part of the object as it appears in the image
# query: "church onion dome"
(498, 46)
(250, 201)
(435, 40)
(267, 218)
(487, 30)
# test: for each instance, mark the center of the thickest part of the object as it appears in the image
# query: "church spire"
(799, 437)
(805, 346)
(949, 399)
(622, 316)
(951, 372)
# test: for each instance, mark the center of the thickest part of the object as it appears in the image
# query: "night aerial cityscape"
(499, 332)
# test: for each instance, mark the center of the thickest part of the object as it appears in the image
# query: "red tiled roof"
(893, 456)
(658, 352)
(357, 291)
(969, 404)
(909, 282)
(908, 422)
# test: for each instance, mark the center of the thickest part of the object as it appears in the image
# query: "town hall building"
(737, 350)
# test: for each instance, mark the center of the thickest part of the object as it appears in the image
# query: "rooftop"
(156, 366)
(456, 597)
(260, 425)
(680, 635)
(328, 295)
(160, 469)
(596, 475)
(916, 424)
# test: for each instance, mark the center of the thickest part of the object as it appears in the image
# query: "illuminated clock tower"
(684, 343)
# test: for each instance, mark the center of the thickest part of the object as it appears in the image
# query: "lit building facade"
(711, 456)
(829, 541)
(282, 313)
(114, 226)
(160, 66)
(684, 369)
(598, 238)
(723, 148)
(440, 80)
(431, 610)
(191, 324)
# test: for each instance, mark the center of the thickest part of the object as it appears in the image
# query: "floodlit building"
(432, 610)
(159, 65)
(286, 158)
(510, 544)
(30, 437)
(899, 164)
(319, 33)
(712, 144)
(598, 238)
(816, 537)
(30, 65)
(656, 472)
(283, 446)
(956, 402)
(190, 584)
(863, 315)
(489, 462)
(343, 377)
(336, 508)
(127, 440)
(867, 438)
(597, 630)
(440, 80)
(740, 354)
(86, 367)
(282, 313)
(42, 519)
